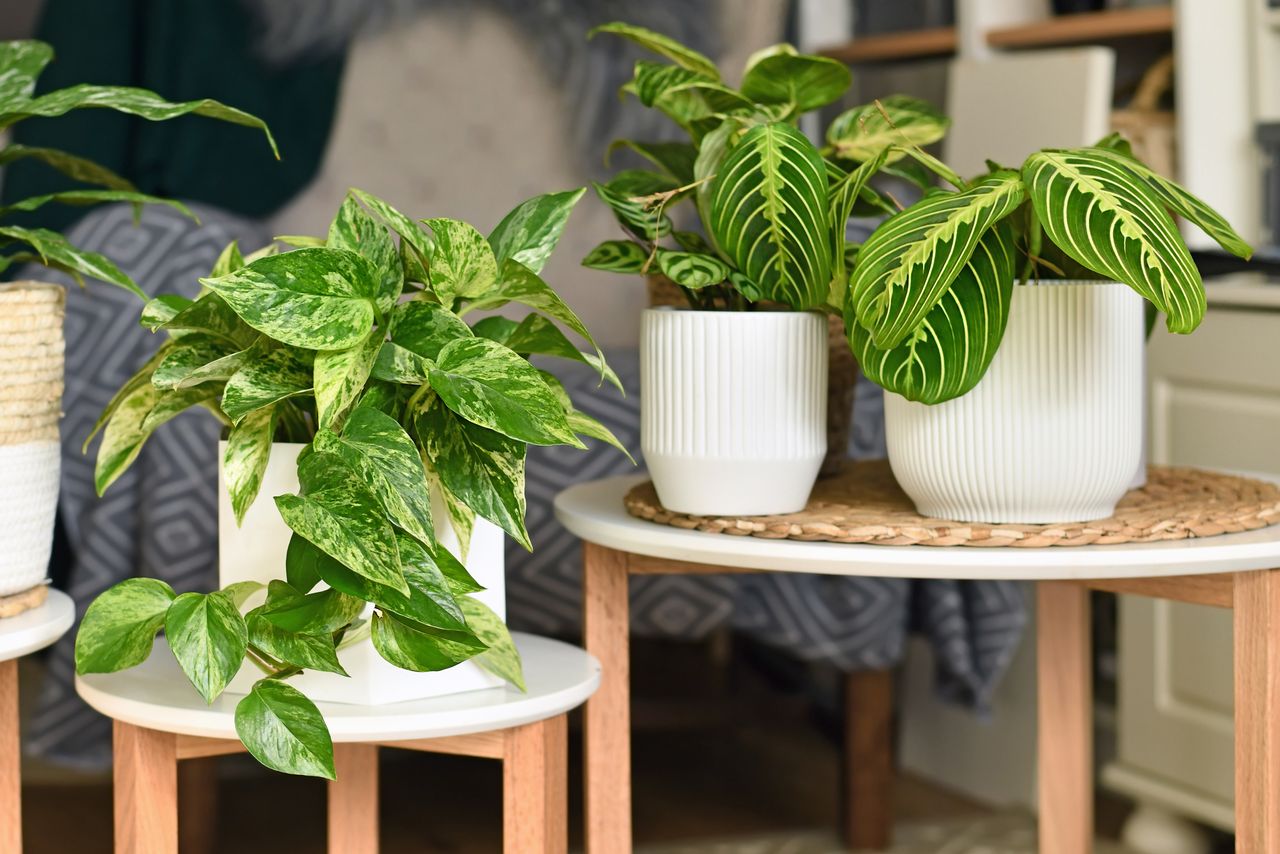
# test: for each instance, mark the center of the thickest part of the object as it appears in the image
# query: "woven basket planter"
(31, 363)
(842, 375)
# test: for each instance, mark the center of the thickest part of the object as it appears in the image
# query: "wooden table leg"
(607, 719)
(1065, 718)
(146, 790)
(198, 805)
(10, 760)
(1257, 710)
(353, 800)
(535, 788)
(868, 768)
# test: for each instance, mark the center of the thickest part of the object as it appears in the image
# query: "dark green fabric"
(184, 50)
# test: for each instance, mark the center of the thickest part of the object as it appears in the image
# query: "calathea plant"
(929, 296)
(359, 348)
(772, 207)
(21, 63)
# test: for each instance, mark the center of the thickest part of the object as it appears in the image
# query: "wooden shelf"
(890, 47)
(1088, 27)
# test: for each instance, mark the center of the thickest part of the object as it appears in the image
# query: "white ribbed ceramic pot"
(733, 408)
(1052, 433)
(255, 551)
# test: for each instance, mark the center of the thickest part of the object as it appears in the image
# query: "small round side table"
(29, 631)
(160, 720)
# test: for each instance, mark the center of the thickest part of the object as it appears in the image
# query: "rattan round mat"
(864, 504)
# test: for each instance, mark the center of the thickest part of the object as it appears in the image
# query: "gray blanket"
(160, 519)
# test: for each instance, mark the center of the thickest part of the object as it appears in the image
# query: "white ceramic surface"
(1052, 433)
(594, 512)
(156, 695)
(733, 408)
(28, 504)
(255, 551)
(35, 629)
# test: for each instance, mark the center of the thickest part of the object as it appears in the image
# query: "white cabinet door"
(1214, 402)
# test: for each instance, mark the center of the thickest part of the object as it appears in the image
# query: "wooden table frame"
(10, 760)
(534, 785)
(1065, 740)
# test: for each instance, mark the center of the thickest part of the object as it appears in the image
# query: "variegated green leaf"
(211, 315)
(120, 626)
(617, 256)
(712, 150)
(663, 46)
(21, 61)
(190, 354)
(843, 196)
(141, 378)
(863, 132)
(74, 167)
(423, 649)
(173, 402)
(396, 364)
(683, 96)
(535, 335)
(463, 264)
(321, 299)
(381, 452)
(402, 225)
(94, 197)
(489, 385)
(245, 460)
(308, 650)
(1100, 213)
(580, 422)
(529, 233)
(208, 637)
(125, 99)
(952, 349)
(502, 659)
(55, 250)
(356, 231)
(646, 221)
(323, 611)
(273, 377)
(907, 264)
(692, 270)
(769, 214)
(462, 519)
(674, 158)
(340, 376)
(284, 730)
(229, 260)
(482, 468)
(124, 435)
(781, 75)
(340, 516)
(424, 328)
(160, 310)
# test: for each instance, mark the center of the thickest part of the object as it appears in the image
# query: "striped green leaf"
(768, 214)
(952, 349)
(844, 195)
(617, 256)
(624, 194)
(55, 251)
(245, 460)
(712, 150)
(907, 264)
(124, 434)
(663, 46)
(691, 269)
(529, 233)
(683, 96)
(1095, 209)
(95, 197)
(781, 75)
(862, 132)
(321, 299)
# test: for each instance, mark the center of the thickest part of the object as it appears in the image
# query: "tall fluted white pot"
(733, 408)
(255, 551)
(1052, 433)
(31, 364)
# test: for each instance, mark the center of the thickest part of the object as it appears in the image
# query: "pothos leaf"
(120, 625)
(356, 231)
(463, 264)
(284, 730)
(208, 637)
(246, 457)
(529, 233)
(340, 375)
(501, 658)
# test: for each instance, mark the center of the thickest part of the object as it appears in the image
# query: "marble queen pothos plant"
(929, 296)
(359, 348)
(772, 206)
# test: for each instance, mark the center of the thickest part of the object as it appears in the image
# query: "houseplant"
(734, 389)
(31, 363)
(1040, 421)
(348, 379)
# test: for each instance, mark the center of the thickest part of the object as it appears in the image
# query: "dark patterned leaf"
(780, 75)
(692, 270)
(617, 256)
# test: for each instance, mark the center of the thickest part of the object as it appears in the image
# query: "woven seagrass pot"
(31, 364)
(842, 376)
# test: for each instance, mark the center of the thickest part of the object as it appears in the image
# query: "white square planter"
(255, 551)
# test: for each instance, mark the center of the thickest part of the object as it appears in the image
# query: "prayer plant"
(929, 296)
(21, 63)
(772, 206)
(360, 348)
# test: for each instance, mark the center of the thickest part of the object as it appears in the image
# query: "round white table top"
(37, 628)
(157, 695)
(594, 512)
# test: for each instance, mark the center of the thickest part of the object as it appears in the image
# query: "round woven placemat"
(20, 603)
(864, 504)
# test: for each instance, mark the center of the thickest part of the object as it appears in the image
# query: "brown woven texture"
(18, 603)
(31, 361)
(865, 505)
(842, 376)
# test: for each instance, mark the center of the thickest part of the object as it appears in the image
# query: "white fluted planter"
(255, 551)
(733, 408)
(1052, 433)
(31, 369)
